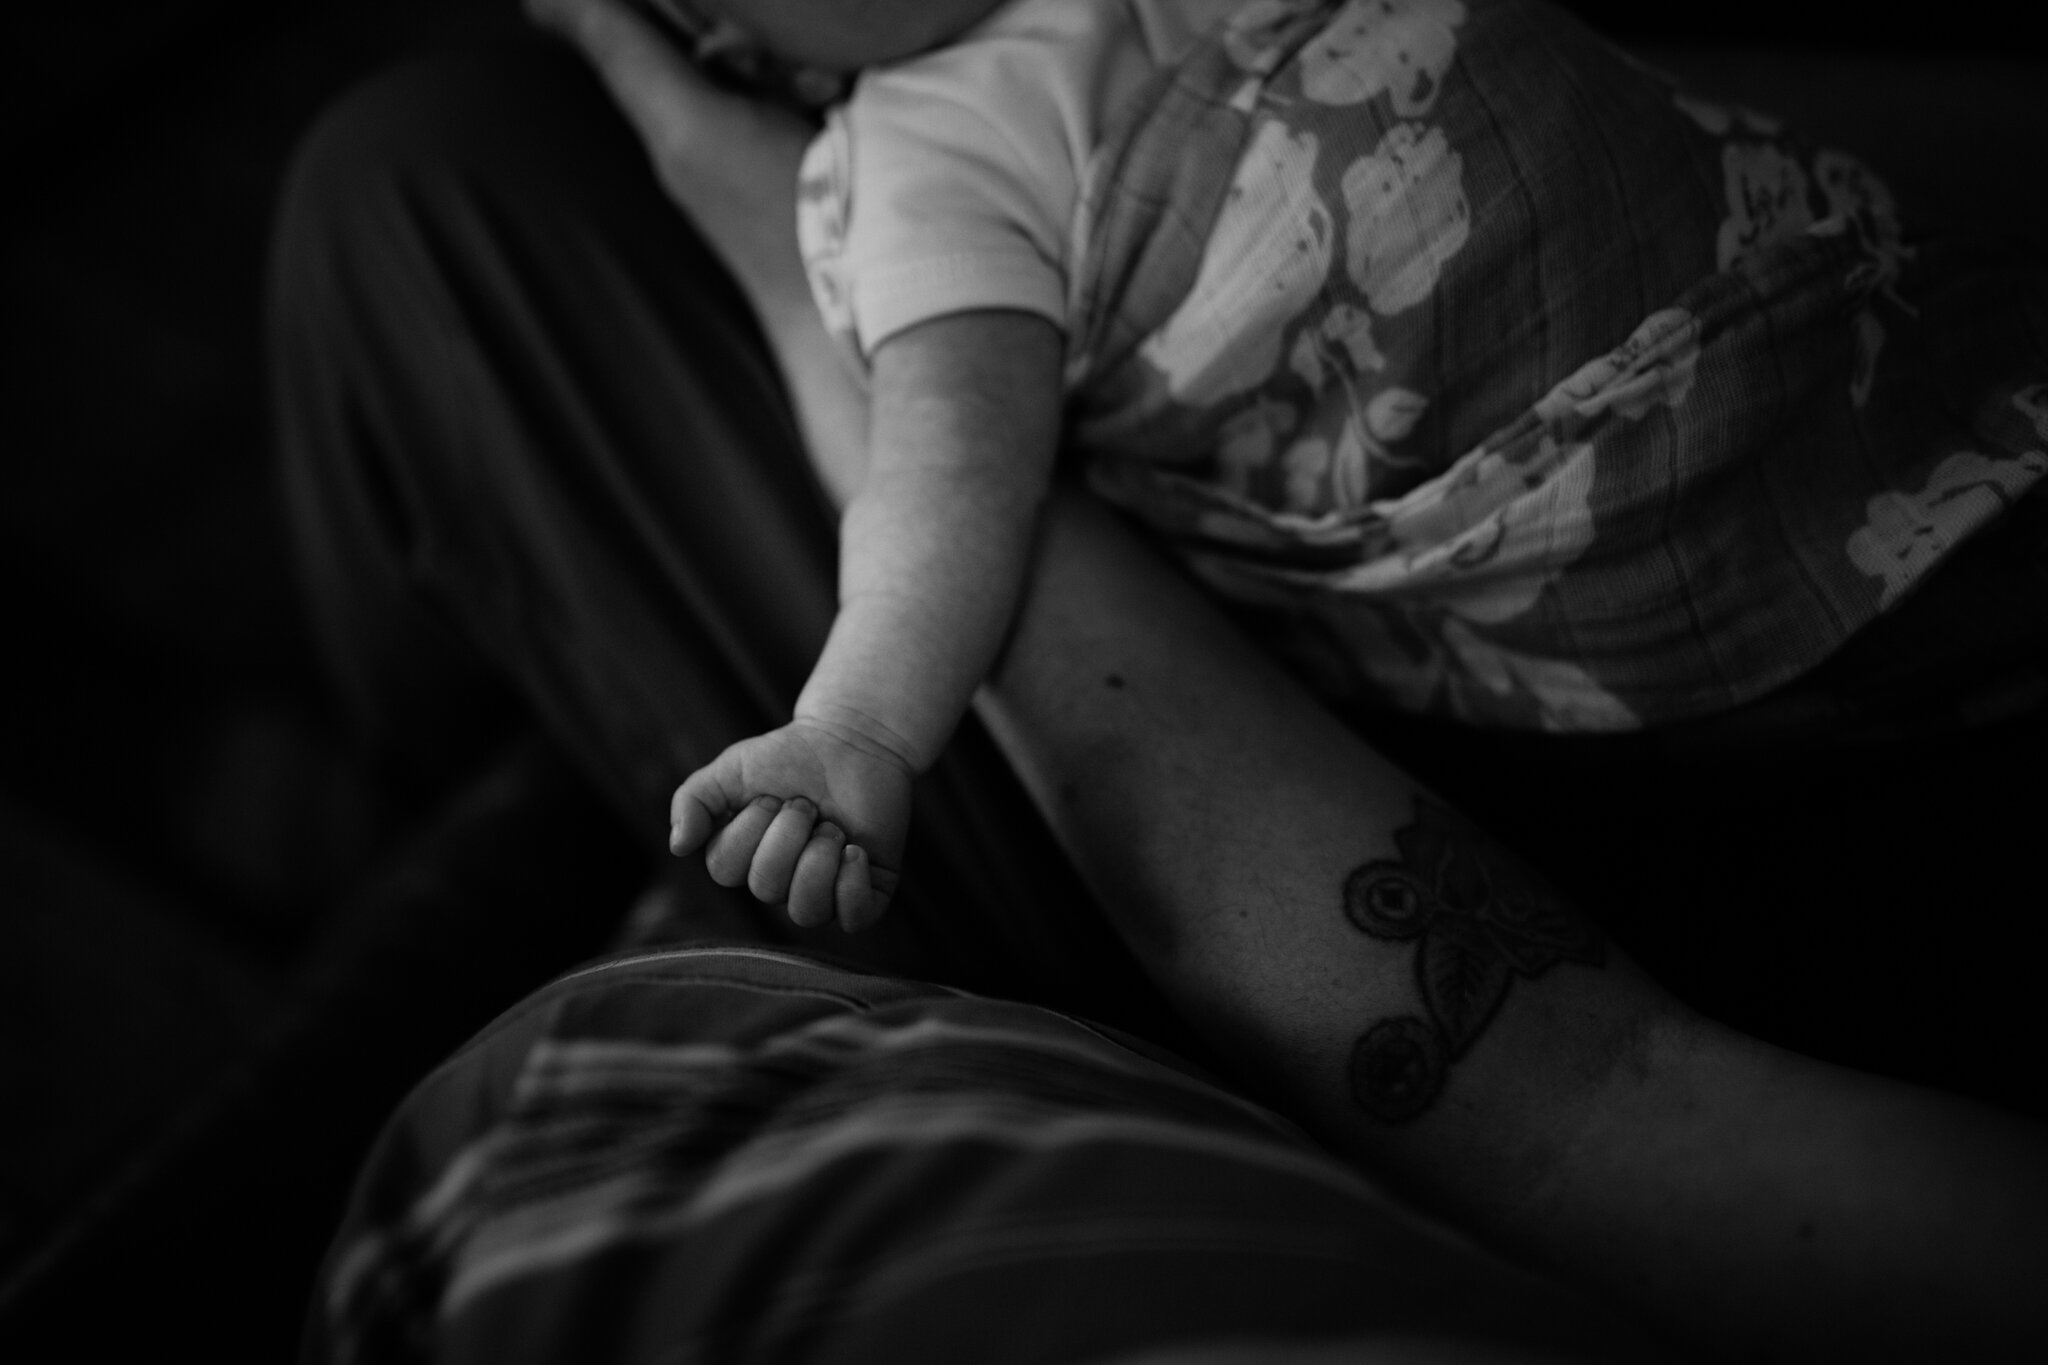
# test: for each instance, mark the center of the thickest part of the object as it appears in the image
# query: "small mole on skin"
(1116, 681)
(1069, 793)
(1806, 1232)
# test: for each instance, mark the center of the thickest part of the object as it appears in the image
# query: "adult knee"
(377, 227)
(420, 144)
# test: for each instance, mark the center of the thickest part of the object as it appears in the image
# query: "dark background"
(223, 951)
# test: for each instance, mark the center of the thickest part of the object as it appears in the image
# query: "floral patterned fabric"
(1505, 380)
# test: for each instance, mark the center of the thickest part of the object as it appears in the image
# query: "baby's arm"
(965, 425)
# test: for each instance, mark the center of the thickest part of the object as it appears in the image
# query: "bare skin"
(1749, 1202)
(933, 550)
(1385, 973)
(960, 435)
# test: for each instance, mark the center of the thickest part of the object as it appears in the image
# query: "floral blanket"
(1508, 381)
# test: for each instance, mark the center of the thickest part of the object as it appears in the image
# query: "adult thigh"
(536, 448)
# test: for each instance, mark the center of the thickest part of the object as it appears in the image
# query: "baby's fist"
(806, 817)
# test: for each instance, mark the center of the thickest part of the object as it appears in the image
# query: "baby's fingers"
(692, 819)
(863, 890)
(707, 796)
(774, 864)
(731, 854)
(813, 891)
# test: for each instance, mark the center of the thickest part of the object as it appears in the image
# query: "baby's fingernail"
(675, 838)
(850, 854)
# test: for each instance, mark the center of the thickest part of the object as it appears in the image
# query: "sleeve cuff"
(893, 300)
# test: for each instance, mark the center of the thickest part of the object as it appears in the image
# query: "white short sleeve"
(949, 182)
(945, 184)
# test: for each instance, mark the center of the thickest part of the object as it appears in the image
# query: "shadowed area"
(227, 949)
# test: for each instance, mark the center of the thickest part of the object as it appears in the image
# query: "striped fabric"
(731, 1154)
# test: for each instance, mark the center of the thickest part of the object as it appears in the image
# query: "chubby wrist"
(864, 728)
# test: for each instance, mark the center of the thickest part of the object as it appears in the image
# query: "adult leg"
(535, 447)
(511, 386)
(1803, 865)
(1423, 1003)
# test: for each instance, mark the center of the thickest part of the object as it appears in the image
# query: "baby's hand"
(812, 817)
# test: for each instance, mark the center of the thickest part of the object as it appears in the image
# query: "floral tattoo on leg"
(1478, 919)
